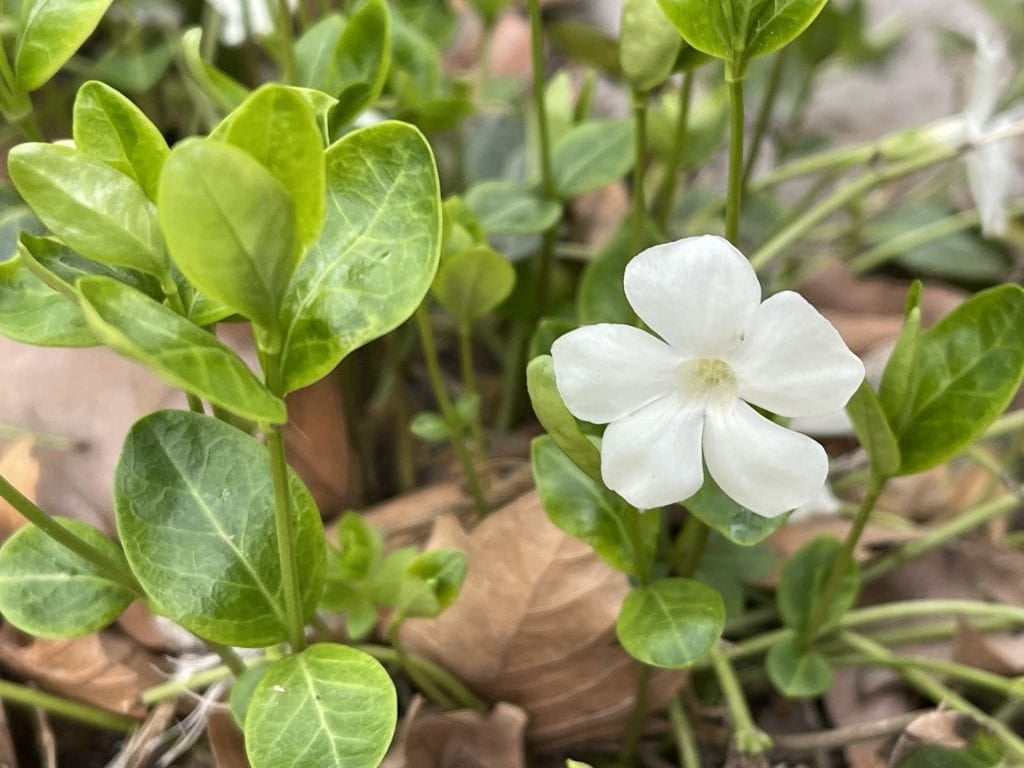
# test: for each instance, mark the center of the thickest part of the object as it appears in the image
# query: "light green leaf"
(732, 520)
(430, 583)
(588, 511)
(278, 127)
(592, 155)
(471, 283)
(94, 209)
(376, 257)
(803, 581)
(797, 671)
(671, 623)
(33, 313)
(601, 298)
(175, 349)
(556, 419)
(648, 46)
(108, 127)
(361, 547)
(430, 426)
(134, 71)
(49, 34)
(330, 706)
(969, 366)
(874, 432)
(230, 227)
(506, 207)
(49, 591)
(223, 90)
(315, 51)
(195, 510)
(898, 376)
(360, 63)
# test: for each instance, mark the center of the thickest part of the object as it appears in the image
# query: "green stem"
(689, 546)
(452, 685)
(451, 419)
(639, 209)
(844, 561)
(73, 710)
(734, 197)
(749, 739)
(403, 440)
(979, 678)
(670, 184)
(173, 296)
(174, 688)
(764, 115)
(285, 530)
(685, 738)
(112, 569)
(231, 659)
(543, 129)
(287, 40)
(469, 384)
(423, 682)
(637, 717)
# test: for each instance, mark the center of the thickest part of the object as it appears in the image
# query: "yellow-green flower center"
(709, 380)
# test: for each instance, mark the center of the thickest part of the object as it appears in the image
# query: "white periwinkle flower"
(677, 402)
(261, 15)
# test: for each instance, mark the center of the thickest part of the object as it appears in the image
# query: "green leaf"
(898, 376)
(328, 707)
(592, 155)
(230, 227)
(94, 209)
(797, 671)
(223, 90)
(671, 623)
(49, 34)
(555, 418)
(872, 428)
(33, 313)
(648, 46)
(507, 207)
(969, 366)
(241, 692)
(133, 70)
(108, 127)
(175, 349)
(802, 582)
(431, 582)
(590, 512)
(361, 547)
(430, 426)
(547, 331)
(732, 520)
(195, 510)
(360, 62)
(278, 127)
(601, 298)
(471, 283)
(376, 257)
(388, 580)
(49, 591)
(314, 52)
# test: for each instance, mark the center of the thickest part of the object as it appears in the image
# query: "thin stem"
(465, 334)
(448, 411)
(174, 688)
(286, 537)
(454, 687)
(73, 710)
(112, 569)
(231, 659)
(637, 717)
(749, 739)
(639, 211)
(403, 440)
(764, 115)
(173, 297)
(734, 198)
(964, 673)
(287, 40)
(689, 546)
(543, 130)
(423, 682)
(682, 732)
(823, 601)
(670, 184)
(543, 271)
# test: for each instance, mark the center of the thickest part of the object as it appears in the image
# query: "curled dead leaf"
(934, 729)
(462, 739)
(535, 626)
(21, 469)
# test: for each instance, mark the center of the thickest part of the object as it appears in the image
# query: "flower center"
(708, 380)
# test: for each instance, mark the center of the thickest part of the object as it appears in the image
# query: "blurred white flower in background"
(675, 403)
(236, 28)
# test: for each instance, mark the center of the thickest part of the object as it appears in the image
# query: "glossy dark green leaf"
(590, 512)
(872, 428)
(96, 210)
(49, 33)
(376, 257)
(555, 418)
(473, 282)
(49, 591)
(671, 623)
(175, 349)
(330, 706)
(195, 510)
(732, 520)
(797, 671)
(108, 127)
(899, 374)
(592, 155)
(802, 584)
(431, 582)
(222, 89)
(969, 366)
(648, 45)
(507, 207)
(229, 226)
(278, 127)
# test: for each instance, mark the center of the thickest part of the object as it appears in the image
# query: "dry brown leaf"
(934, 729)
(155, 633)
(21, 469)
(1002, 654)
(226, 740)
(863, 696)
(596, 215)
(791, 537)
(140, 748)
(104, 668)
(535, 627)
(463, 739)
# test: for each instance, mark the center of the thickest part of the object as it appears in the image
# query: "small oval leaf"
(50, 32)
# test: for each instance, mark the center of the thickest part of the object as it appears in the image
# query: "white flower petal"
(989, 68)
(767, 468)
(652, 457)
(990, 174)
(793, 362)
(696, 293)
(607, 371)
